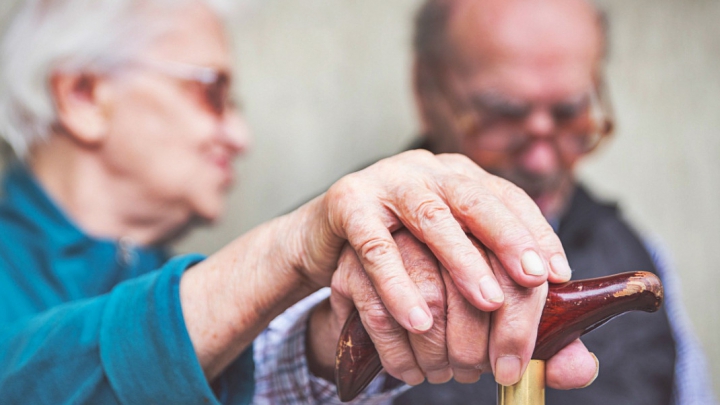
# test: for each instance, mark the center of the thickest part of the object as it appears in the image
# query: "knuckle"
(396, 359)
(547, 237)
(417, 257)
(435, 366)
(411, 158)
(463, 164)
(470, 259)
(346, 187)
(392, 285)
(418, 154)
(473, 198)
(421, 268)
(516, 337)
(342, 196)
(396, 364)
(457, 158)
(467, 357)
(527, 301)
(430, 213)
(513, 237)
(430, 348)
(435, 348)
(376, 250)
(432, 357)
(511, 192)
(439, 376)
(434, 295)
(467, 376)
(378, 320)
(509, 231)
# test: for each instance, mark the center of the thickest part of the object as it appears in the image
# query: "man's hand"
(461, 344)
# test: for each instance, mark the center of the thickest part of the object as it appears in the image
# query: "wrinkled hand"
(232, 295)
(463, 342)
(438, 199)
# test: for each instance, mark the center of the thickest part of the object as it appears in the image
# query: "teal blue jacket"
(89, 321)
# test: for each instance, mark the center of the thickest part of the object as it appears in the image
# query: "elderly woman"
(120, 115)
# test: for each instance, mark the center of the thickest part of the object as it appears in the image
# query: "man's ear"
(80, 105)
(420, 93)
(431, 103)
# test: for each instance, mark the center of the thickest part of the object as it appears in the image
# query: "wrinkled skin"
(463, 339)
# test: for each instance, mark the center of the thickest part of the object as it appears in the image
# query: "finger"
(572, 367)
(521, 205)
(467, 335)
(351, 284)
(489, 219)
(429, 348)
(365, 224)
(432, 220)
(513, 328)
(345, 286)
(428, 217)
(528, 212)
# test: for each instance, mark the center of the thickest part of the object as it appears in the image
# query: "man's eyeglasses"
(498, 123)
(214, 84)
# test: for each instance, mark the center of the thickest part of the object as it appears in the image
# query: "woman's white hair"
(48, 36)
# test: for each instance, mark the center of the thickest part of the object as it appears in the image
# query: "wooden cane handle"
(571, 310)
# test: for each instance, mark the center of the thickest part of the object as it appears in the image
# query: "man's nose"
(235, 132)
(540, 156)
(540, 123)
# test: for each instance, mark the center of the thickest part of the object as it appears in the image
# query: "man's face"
(517, 100)
(172, 132)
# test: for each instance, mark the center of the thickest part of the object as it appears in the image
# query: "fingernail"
(561, 267)
(412, 377)
(507, 370)
(597, 371)
(490, 289)
(440, 376)
(466, 376)
(532, 264)
(419, 320)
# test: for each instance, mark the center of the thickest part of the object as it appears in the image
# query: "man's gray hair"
(48, 36)
(430, 41)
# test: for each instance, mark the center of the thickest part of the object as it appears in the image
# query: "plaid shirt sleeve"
(281, 370)
(692, 381)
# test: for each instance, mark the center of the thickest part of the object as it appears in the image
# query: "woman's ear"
(80, 103)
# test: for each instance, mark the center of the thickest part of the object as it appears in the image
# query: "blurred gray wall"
(326, 84)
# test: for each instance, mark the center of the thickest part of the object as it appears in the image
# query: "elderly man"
(517, 86)
(119, 111)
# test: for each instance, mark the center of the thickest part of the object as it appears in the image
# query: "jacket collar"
(28, 202)
(26, 198)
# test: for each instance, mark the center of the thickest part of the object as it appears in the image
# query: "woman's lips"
(224, 163)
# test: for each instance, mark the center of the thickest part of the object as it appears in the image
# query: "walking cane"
(571, 310)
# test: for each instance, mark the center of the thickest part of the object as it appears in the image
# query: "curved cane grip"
(571, 310)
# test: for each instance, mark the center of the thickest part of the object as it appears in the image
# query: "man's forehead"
(536, 35)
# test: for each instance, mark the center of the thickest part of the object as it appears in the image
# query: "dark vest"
(636, 351)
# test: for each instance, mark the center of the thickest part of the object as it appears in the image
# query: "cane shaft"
(530, 390)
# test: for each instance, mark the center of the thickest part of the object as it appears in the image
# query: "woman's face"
(172, 130)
